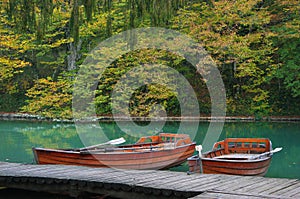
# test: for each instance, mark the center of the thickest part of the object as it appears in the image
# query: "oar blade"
(111, 142)
(117, 141)
(276, 150)
(266, 153)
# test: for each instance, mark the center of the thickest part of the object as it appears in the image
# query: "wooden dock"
(81, 181)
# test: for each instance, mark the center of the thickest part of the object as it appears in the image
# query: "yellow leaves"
(237, 35)
(60, 42)
(49, 98)
(232, 8)
(12, 63)
(93, 28)
(9, 42)
(9, 67)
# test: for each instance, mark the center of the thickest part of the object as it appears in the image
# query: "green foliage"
(255, 44)
(12, 62)
(287, 41)
(50, 99)
(236, 34)
(144, 99)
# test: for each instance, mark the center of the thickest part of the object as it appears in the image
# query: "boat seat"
(236, 156)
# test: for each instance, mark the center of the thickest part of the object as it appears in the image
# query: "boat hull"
(232, 167)
(255, 167)
(160, 159)
(235, 156)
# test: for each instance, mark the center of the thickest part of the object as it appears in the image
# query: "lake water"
(18, 137)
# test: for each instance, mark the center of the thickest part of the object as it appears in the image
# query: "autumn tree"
(255, 44)
(235, 34)
(286, 79)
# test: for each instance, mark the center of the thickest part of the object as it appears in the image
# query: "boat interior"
(163, 141)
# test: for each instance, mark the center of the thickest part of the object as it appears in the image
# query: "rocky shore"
(26, 116)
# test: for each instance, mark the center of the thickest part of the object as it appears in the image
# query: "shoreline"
(31, 117)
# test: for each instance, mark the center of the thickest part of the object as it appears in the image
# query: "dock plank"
(291, 190)
(216, 184)
(75, 180)
(263, 186)
(296, 195)
(243, 184)
(237, 183)
(230, 195)
(199, 185)
(277, 186)
(256, 186)
(293, 193)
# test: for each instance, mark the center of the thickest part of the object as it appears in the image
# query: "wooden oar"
(266, 153)
(111, 142)
(111, 149)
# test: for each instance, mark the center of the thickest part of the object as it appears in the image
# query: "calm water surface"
(18, 137)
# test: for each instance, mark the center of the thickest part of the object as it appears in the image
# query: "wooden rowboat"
(235, 156)
(152, 152)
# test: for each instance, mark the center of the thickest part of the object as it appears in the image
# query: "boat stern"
(194, 163)
(36, 158)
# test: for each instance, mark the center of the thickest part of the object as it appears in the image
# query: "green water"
(18, 137)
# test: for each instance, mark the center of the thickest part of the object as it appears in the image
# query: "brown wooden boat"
(152, 152)
(235, 156)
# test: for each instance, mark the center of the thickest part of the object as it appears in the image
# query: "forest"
(255, 44)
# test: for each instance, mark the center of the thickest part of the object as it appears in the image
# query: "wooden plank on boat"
(236, 156)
